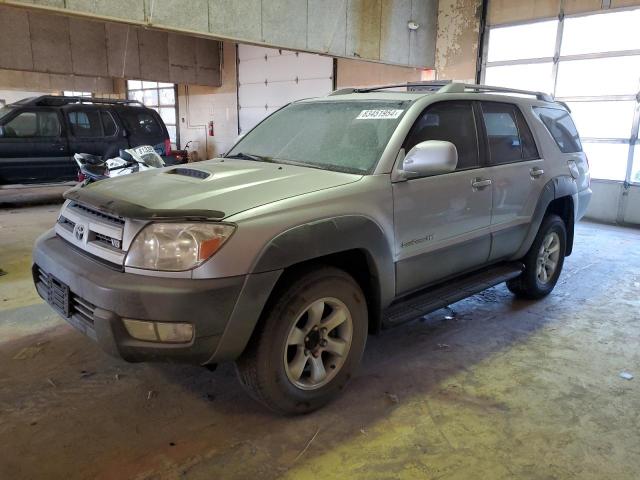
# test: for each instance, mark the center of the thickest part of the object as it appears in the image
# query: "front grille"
(108, 241)
(96, 213)
(96, 233)
(65, 222)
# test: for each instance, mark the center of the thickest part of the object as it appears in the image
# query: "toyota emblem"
(78, 231)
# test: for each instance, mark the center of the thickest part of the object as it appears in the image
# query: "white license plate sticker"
(379, 114)
(143, 150)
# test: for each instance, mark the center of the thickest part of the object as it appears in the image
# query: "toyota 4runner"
(332, 218)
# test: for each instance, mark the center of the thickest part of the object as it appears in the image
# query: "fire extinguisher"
(210, 128)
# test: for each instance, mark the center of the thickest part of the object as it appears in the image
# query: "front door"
(442, 222)
(33, 148)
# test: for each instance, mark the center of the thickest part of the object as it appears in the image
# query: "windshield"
(346, 136)
(5, 111)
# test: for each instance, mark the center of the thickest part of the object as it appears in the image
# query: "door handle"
(480, 183)
(536, 172)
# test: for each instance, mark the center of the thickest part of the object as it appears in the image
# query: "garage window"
(591, 62)
(160, 97)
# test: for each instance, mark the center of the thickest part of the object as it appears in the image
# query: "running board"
(426, 301)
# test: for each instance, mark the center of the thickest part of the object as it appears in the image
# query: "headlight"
(176, 247)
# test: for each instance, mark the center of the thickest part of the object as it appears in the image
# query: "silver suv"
(331, 219)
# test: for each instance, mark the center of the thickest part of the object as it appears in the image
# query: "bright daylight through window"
(592, 62)
(160, 97)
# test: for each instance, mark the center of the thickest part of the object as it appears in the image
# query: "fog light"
(159, 331)
(174, 332)
(141, 330)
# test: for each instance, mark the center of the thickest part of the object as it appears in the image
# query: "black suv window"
(33, 124)
(509, 137)
(451, 121)
(140, 122)
(108, 124)
(561, 127)
(85, 123)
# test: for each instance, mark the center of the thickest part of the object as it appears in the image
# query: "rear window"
(140, 122)
(561, 128)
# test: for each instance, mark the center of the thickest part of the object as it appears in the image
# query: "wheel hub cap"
(548, 256)
(318, 343)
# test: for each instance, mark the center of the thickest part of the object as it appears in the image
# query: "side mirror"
(2, 132)
(433, 157)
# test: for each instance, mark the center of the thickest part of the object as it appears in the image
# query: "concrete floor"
(504, 389)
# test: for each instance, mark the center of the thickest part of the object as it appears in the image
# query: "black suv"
(39, 135)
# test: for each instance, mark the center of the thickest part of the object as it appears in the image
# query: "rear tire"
(543, 262)
(309, 344)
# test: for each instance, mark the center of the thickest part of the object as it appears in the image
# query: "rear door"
(517, 173)
(442, 222)
(33, 147)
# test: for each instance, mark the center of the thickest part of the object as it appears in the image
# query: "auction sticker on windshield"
(379, 114)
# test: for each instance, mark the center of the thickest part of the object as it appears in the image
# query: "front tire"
(543, 262)
(309, 344)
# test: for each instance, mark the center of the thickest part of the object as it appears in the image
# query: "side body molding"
(334, 235)
(561, 186)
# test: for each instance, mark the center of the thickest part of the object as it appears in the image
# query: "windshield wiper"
(250, 156)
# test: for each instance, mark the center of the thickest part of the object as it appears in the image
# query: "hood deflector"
(126, 209)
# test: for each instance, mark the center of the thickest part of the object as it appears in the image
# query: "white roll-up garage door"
(270, 78)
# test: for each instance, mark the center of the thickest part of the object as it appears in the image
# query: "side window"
(33, 125)
(85, 123)
(502, 132)
(561, 127)
(140, 122)
(451, 121)
(108, 124)
(529, 149)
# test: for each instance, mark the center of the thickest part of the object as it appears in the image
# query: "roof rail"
(465, 87)
(59, 100)
(432, 86)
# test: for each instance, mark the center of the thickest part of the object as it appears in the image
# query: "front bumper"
(223, 311)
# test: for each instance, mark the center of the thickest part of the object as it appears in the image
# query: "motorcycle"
(93, 168)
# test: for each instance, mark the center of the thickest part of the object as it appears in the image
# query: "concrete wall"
(508, 11)
(458, 39)
(57, 44)
(197, 105)
(358, 73)
(369, 29)
(49, 82)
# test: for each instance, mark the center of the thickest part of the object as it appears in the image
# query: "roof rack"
(431, 86)
(446, 86)
(465, 87)
(60, 100)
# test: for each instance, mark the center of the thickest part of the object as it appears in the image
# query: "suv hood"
(226, 186)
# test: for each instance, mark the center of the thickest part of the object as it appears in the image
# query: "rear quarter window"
(561, 128)
(141, 122)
